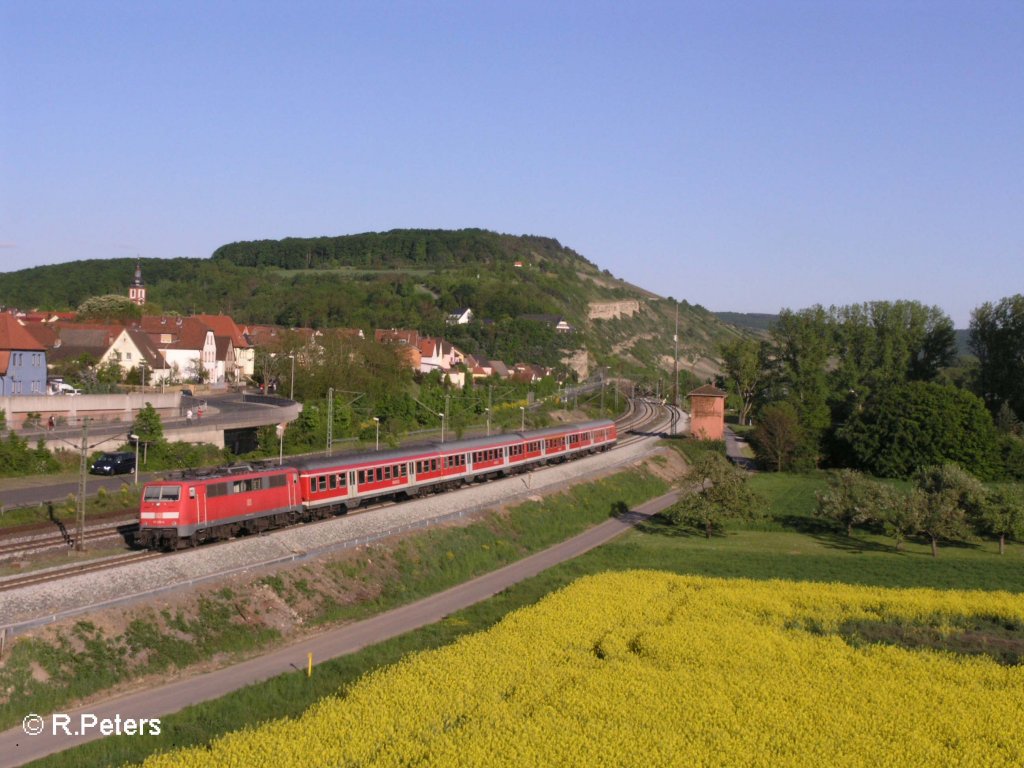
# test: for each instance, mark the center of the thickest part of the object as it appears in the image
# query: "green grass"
(792, 549)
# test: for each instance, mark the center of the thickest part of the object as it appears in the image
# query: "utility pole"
(80, 526)
(330, 418)
(675, 374)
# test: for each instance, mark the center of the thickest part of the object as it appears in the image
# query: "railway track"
(62, 539)
(8, 583)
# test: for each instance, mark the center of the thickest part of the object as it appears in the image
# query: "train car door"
(197, 497)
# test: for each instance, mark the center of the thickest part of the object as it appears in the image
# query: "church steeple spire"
(137, 290)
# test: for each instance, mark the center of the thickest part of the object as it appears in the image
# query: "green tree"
(851, 499)
(1006, 420)
(147, 425)
(900, 513)
(721, 493)
(778, 436)
(916, 424)
(745, 368)
(947, 497)
(801, 345)
(1001, 514)
(197, 372)
(881, 343)
(997, 338)
(111, 308)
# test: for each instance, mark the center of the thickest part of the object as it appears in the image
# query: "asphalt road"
(18, 748)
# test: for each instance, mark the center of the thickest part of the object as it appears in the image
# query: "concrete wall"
(99, 408)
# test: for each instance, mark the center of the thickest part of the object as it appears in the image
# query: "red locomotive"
(205, 505)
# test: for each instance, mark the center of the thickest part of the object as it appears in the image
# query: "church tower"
(137, 290)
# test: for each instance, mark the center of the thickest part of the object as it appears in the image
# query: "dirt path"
(17, 748)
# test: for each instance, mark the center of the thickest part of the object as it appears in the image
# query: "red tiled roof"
(708, 390)
(222, 325)
(14, 336)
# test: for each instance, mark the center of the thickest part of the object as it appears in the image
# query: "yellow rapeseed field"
(652, 669)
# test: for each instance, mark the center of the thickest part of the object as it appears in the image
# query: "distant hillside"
(963, 338)
(411, 279)
(752, 321)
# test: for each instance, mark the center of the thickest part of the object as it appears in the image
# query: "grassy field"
(792, 545)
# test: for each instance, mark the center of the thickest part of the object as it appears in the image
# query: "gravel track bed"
(21, 610)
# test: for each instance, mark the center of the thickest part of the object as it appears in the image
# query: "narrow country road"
(18, 748)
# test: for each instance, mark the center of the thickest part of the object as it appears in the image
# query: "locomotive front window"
(162, 493)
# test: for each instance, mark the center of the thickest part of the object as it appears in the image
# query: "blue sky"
(744, 156)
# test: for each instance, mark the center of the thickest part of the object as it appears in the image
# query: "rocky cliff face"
(610, 310)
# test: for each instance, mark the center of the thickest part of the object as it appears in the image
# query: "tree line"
(875, 387)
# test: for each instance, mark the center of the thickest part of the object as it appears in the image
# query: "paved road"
(734, 450)
(17, 748)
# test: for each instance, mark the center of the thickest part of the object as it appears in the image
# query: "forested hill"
(398, 249)
(406, 279)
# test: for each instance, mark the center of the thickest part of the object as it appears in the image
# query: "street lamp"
(442, 427)
(522, 413)
(291, 389)
(135, 439)
(488, 412)
(376, 424)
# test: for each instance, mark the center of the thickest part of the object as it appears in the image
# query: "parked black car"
(114, 464)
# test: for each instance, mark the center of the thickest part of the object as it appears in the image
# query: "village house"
(22, 359)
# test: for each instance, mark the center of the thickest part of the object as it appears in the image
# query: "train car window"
(351, 478)
(341, 480)
(387, 473)
(277, 481)
(405, 470)
(433, 465)
(362, 476)
(332, 482)
(321, 483)
(380, 474)
(256, 484)
(216, 489)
